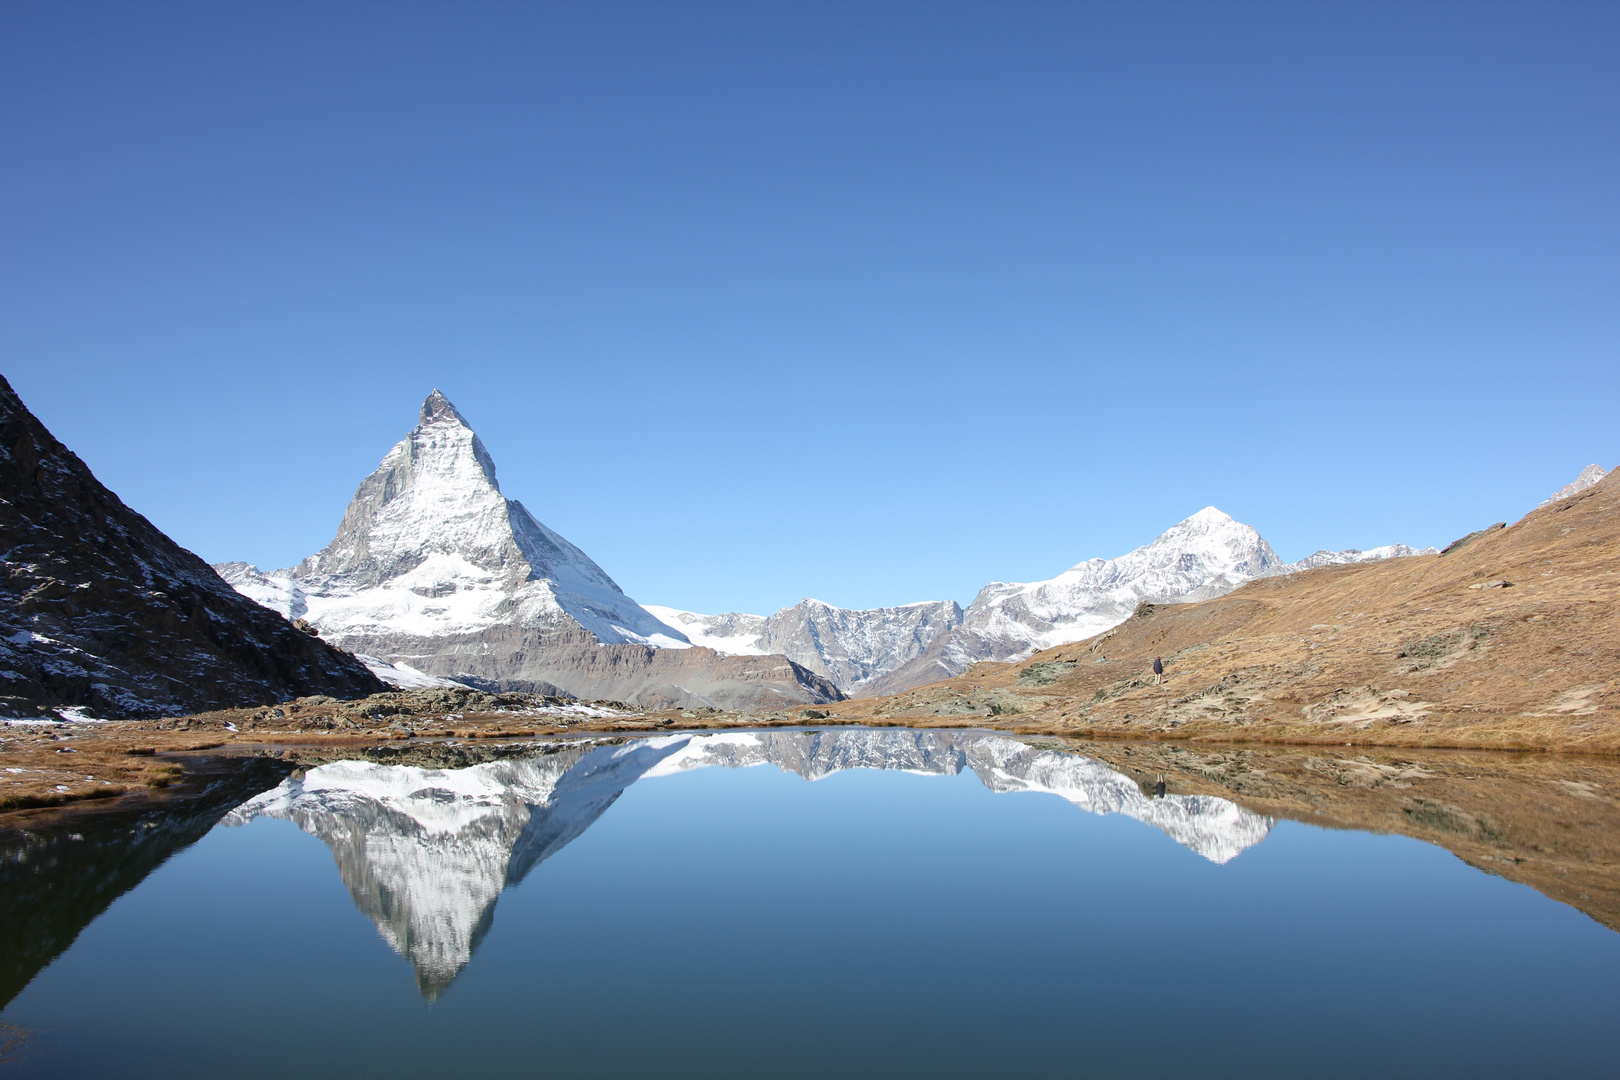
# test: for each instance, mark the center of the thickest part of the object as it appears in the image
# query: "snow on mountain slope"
(402, 675)
(430, 547)
(1589, 476)
(732, 633)
(846, 645)
(1204, 556)
(1207, 555)
(1325, 557)
(279, 594)
(427, 852)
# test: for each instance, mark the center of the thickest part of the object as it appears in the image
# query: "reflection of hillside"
(426, 852)
(1550, 822)
(60, 869)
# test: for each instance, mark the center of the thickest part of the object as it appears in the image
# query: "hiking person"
(1158, 671)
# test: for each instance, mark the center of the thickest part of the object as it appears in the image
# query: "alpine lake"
(847, 902)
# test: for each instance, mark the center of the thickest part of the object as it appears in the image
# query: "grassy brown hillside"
(1550, 821)
(1508, 640)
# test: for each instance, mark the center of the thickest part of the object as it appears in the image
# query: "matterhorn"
(435, 575)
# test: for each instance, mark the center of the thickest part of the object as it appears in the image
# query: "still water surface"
(933, 904)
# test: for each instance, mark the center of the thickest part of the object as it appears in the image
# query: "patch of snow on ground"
(403, 676)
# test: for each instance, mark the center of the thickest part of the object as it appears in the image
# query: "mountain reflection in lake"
(665, 909)
(426, 852)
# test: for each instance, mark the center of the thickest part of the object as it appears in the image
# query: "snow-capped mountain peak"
(1205, 555)
(430, 552)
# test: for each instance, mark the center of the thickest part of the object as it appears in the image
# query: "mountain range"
(435, 575)
(889, 650)
(426, 853)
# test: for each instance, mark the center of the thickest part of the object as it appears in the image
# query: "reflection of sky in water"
(738, 921)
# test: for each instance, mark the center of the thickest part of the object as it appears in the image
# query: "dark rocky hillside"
(101, 610)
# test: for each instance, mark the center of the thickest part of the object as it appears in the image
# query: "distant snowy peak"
(1206, 555)
(1351, 555)
(846, 645)
(1589, 476)
(733, 633)
(278, 593)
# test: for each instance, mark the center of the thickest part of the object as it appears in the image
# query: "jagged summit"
(1198, 558)
(437, 406)
(429, 546)
(1210, 548)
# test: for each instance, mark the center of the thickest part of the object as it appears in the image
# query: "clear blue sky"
(872, 302)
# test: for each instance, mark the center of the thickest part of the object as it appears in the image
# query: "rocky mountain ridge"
(103, 616)
(1590, 475)
(1206, 555)
(848, 647)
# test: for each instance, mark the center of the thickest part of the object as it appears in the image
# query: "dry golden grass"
(1426, 651)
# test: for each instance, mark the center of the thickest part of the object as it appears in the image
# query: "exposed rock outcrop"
(105, 616)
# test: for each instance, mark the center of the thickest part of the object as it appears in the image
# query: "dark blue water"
(745, 922)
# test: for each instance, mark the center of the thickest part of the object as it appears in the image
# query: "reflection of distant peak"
(425, 853)
(814, 754)
(1215, 828)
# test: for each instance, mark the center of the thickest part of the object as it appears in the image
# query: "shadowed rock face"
(426, 852)
(100, 610)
